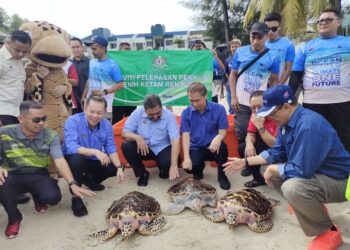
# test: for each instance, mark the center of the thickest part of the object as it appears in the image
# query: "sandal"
(254, 183)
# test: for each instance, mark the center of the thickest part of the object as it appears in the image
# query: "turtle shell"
(249, 202)
(190, 185)
(140, 204)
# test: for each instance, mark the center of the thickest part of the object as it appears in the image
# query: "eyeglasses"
(38, 119)
(273, 113)
(326, 20)
(273, 29)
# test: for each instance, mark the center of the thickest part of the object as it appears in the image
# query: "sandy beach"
(58, 228)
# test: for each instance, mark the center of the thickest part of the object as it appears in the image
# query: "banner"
(165, 73)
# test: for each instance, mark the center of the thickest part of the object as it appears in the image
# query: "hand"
(258, 121)
(97, 92)
(187, 164)
(104, 158)
(3, 175)
(249, 150)
(234, 165)
(59, 91)
(120, 175)
(215, 54)
(271, 171)
(80, 192)
(42, 70)
(234, 103)
(215, 144)
(173, 172)
(142, 147)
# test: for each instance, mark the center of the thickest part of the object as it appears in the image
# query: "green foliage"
(10, 23)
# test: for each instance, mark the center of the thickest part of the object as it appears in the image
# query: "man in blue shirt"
(203, 127)
(90, 149)
(151, 133)
(322, 66)
(281, 45)
(315, 167)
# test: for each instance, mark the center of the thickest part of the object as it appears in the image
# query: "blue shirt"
(326, 66)
(309, 145)
(78, 134)
(257, 76)
(103, 75)
(284, 48)
(203, 127)
(157, 134)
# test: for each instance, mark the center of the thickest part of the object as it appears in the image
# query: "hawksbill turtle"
(133, 211)
(190, 193)
(246, 206)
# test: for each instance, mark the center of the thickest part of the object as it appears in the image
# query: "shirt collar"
(21, 135)
(87, 124)
(208, 106)
(294, 118)
(7, 54)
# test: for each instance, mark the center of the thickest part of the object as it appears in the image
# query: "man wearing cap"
(256, 77)
(281, 45)
(322, 66)
(308, 165)
(105, 77)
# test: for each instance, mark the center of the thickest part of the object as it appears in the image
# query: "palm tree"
(296, 13)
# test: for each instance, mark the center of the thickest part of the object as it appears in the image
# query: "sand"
(58, 228)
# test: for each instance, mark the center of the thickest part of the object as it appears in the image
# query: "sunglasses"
(39, 119)
(326, 20)
(273, 29)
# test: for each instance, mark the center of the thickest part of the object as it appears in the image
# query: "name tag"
(347, 192)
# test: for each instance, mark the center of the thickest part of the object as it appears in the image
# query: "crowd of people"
(305, 146)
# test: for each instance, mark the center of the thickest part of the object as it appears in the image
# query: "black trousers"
(119, 112)
(259, 147)
(242, 118)
(200, 155)
(42, 187)
(8, 120)
(84, 169)
(337, 114)
(163, 159)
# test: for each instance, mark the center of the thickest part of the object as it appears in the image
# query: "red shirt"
(270, 125)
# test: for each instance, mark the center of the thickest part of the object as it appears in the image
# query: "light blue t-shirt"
(285, 50)
(158, 135)
(257, 76)
(326, 66)
(103, 75)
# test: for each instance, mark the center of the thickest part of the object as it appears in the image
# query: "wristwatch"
(73, 182)
(120, 166)
(261, 130)
(105, 91)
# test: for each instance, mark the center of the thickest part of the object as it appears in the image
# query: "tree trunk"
(226, 21)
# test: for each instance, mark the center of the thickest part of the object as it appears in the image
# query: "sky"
(80, 17)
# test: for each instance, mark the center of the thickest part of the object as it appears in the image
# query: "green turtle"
(190, 193)
(246, 206)
(133, 211)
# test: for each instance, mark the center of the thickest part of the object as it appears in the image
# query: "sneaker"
(224, 182)
(330, 240)
(78, 207)
(40, 208)
(12, 230)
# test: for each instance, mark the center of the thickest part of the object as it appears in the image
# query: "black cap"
(260, 28)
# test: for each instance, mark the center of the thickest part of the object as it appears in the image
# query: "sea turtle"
(133, 211)
(246, 206)
(190, 193)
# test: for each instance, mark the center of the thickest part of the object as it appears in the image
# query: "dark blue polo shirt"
(203, 127)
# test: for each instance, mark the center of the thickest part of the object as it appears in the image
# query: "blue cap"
(275, 96)
(100, 40)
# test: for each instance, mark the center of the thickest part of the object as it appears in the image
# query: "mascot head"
(49, 44)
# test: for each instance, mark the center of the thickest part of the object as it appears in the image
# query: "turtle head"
(127, 225)
(231, 219)
(197, 204)
(127, 230)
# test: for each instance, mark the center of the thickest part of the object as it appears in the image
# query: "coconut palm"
(296, 13)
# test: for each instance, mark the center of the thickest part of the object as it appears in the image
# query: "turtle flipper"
(274, 202)
(173, 209)
(152, 227)
(214, 215)
(104, 235)
(261, 226)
